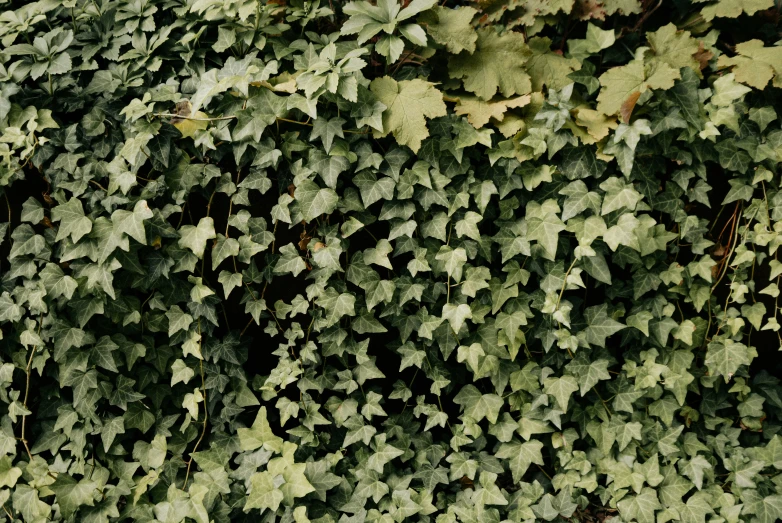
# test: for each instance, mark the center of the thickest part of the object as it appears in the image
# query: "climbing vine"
(366, 261)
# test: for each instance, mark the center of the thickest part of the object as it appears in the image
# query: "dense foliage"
(344, 261)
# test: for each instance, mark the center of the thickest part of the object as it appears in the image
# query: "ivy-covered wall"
(375, 262)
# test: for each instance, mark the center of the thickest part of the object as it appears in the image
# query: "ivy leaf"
(195, 237)
(72, 494)
(336, 305)
(180, 372)
(550, 507)
(521, 456)
(263, 493)
(314, 201)
(383, 454)
(589, 373)
(545, 230)
(723, 358)
(224, 248)
(56, 282)
(478, 406)
(26, 502)
(289, 261)
(178, 320)
(771, 454)
(641, 507)
(8, 473)
(561, 389)
(453, 260)
(32, 211)
(618, 195)
(673, 47)
(767, 509)
(694, 470)
(110, 430)
(327, 130)
(601, 326)
(548, 68)
(132, 222)
(259, 435)
(72, 220)
(456, 315)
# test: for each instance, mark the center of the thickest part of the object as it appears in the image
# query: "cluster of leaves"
(374, 262)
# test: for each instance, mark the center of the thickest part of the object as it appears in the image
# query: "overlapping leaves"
(382, 261)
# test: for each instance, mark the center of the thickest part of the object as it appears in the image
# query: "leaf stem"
(206, 412)
(180, 117)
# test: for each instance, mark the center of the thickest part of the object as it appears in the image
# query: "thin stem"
(99, 185)
(274, 233)
(206, 414)
(543, 471)
(208, 210)
(8, 204)
(28, 370)
(564, 283)
(246, 327)
(180, 117)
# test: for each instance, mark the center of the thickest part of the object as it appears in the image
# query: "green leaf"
(110, 430)
(289, 261)
(8, 473)
(224, 248)
(478, 406)
(640, 508)
(409, 103)
(733, 8)
(600, 325)
(451, 28)
(561, 389)
(620, 85)
(132, 223)
(195, 237)
(180, 372)
(589, 373)
(336, 305)
(520, 456)
(26, 502)
(723, 358)
(456, 315)
(72, 494)
(327, 130)
(263, 493)
(178, 320)
(314, 201)
(618, 195)
(453, 261)
(72, 220)
(57, 283)
(545, 230)
(259, 435)
(496, 65)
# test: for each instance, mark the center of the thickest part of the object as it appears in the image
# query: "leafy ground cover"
(286, 260)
